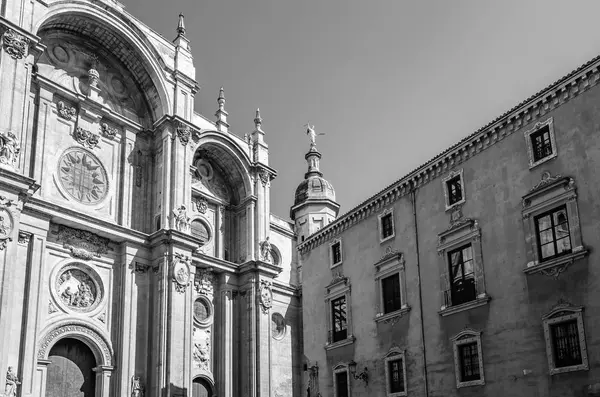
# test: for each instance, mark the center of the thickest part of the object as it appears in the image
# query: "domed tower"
(314, 205)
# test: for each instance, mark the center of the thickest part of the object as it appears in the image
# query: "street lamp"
(364, 375)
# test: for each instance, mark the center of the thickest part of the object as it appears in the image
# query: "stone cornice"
(526, 112)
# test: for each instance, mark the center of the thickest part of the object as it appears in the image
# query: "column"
(157, 372)
(40, 378)
(128, 164)
(220, 228)
(166, 179)
(179, 196)
(43, 124)
(103, 374)
(226, 343)
(263, 347)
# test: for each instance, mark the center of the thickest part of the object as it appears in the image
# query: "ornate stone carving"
(140, 267)
(266, 295)
(77, 289)
(51, 307)
(389, 253)
(65, 111)
(201, 353)
(265, 177)
(203, 282)
(337, 277)
(6, 226)
(181, 272)
(9, 148)
(102, 317)
(108, 131)
(201, 205)
(81, 243)
(75, 327)
(86, 138)
(184, 133)
(15, 45)
(24, 237)
(556, 270)
(547, 179)
(265, 251)
(82, 176)
(137, 387)
(10, 390)
(182, 221)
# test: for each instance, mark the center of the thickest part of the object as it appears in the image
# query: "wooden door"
(70, 373)
(201, 388)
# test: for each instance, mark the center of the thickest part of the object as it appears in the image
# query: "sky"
(391, 83)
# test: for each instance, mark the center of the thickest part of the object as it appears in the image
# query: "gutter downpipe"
(414, 206)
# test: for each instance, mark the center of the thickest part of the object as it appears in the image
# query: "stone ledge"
(480, 301)
(392, 317)
(555, 267)
(348, 341)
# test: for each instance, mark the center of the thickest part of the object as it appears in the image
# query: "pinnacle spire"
(180, 26)
(221, 113)
(258, 120)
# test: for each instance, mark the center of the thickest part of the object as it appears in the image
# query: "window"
(390, 286)
(454, 189)
(462, 275)
(468, 360)
(395, 373)
(341, 384)
(338, 315)
(551, 226)
(386, 225)
(541, 145)
(461, 265)
(200, 231)
(565, 339)
(335, 249)
(552, 229)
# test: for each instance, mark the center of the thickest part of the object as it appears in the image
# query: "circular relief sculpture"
(202, 311)
(82, 176)
(277, 326)
(78, 288)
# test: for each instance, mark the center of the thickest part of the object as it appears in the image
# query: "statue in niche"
(137, 389)
(182, 221)
(10, 390)
(9, 148)
(265, 250)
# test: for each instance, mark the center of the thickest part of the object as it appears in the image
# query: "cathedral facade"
(138, 254)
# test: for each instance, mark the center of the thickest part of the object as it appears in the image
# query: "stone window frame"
(562, 312)
(394, 354)
(339, 368)
(339, 286)
(210, 311)
(331, 244)
(392, 262)
(467, 336)
(387, 211)
(536, 127)
(453, 174)
(460, 233)
(551, 192)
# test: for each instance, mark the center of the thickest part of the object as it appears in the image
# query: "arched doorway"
(70, 373)
(201, 388)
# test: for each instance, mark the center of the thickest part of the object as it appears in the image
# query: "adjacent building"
(475, 274)
(138, 253)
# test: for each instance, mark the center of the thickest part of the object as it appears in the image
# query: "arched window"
(200, 231)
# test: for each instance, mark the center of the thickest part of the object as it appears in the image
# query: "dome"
(314, 187)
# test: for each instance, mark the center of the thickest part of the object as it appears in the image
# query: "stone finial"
(258, 120)
(180, 26)
(221, 114)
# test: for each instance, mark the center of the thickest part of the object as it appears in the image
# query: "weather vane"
(312, 135)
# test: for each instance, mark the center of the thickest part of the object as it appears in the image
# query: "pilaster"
(225, 379)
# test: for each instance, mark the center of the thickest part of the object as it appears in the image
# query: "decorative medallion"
(86, 138)
(203, 311)
(184, 133)
(204, 170)
(278, 327)
(65, 111)
(15, 45)
(201, 205)
(81, 243)
(181, 272)
(82, 176)
(203, 282)
(266, 295)
(78, 288)
(108, 131)
(9, 148)
(6, 227)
